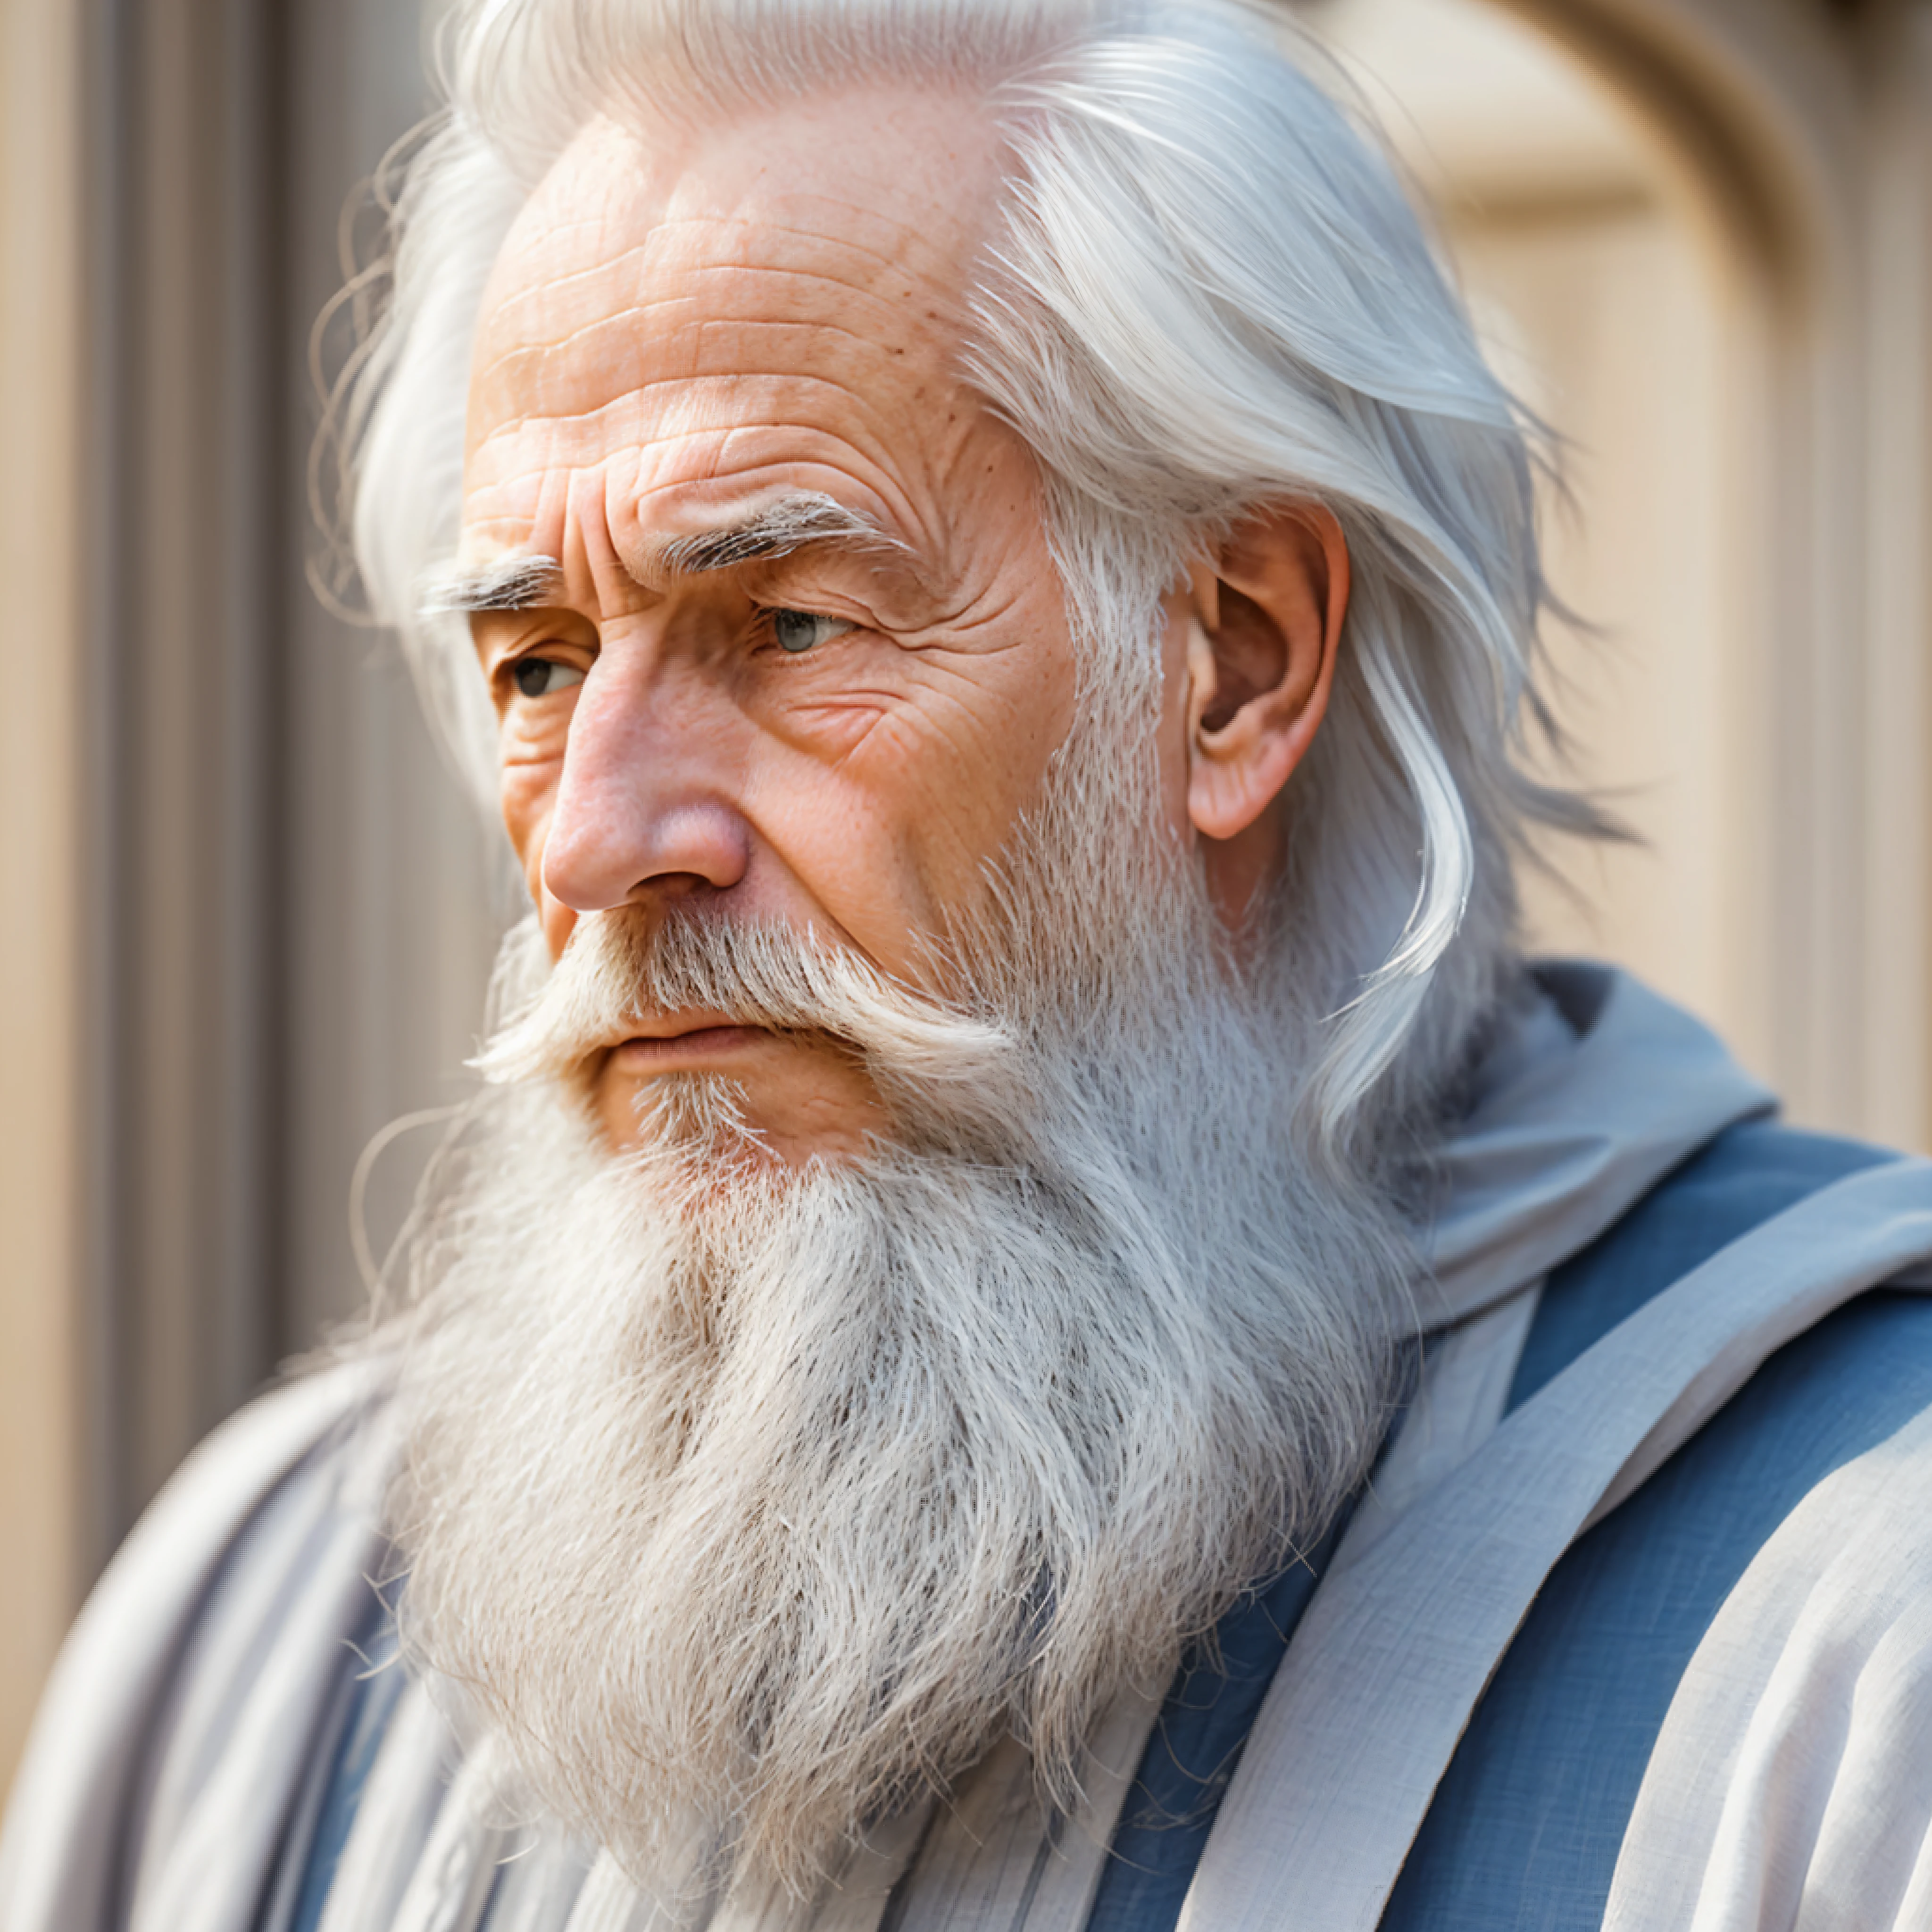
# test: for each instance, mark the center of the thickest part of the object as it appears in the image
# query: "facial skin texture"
(683, 331)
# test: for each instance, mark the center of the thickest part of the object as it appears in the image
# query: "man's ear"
(1260, 661)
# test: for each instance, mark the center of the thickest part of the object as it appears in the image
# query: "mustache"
(622, 969)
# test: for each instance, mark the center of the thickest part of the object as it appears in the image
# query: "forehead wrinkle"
(921, 260)
(668, 436)
(646, 309)
(628, 524)
(588, 535)
(855, 451)
(747, 294)
(785, 528)
(523, 364)
(880, 480)
(595, 495)
(524, 295)
(533, 356)
(884, 264)
(915, 254)
(841, 364)
(721, 289)
(525, 352)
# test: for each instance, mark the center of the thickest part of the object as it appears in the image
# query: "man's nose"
(641, 809)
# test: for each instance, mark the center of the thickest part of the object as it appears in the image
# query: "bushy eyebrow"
(525, 583)
(775, 529)
(801, 520)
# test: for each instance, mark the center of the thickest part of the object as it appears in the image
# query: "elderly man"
(1040, 1325)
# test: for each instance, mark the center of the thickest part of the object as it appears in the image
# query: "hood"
(1595, 1089)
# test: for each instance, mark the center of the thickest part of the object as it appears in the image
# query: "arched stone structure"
(1803, 131)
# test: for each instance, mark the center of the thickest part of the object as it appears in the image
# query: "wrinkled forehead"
(741, 248)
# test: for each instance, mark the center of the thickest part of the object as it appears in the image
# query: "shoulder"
(274, 1511)
(1533, 1815)
(1798, 1747)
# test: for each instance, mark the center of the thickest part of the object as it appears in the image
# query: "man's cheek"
(528, 793)
(952, 780)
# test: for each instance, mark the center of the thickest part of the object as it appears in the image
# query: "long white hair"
(1207, 291)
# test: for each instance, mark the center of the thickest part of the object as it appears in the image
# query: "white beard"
(750, 1504)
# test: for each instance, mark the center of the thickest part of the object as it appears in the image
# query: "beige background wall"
(40, 964)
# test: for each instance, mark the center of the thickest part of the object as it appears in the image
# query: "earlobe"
(1260, 660)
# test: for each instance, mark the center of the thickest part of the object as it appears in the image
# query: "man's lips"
(695, 1040)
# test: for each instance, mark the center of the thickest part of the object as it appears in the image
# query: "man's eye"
(798, 630)
(543, 677)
